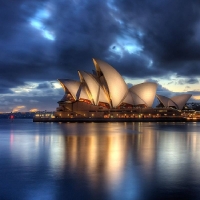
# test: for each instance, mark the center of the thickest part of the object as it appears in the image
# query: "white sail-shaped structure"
(106, 87)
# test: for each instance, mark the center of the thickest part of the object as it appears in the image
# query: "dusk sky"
(144, 40)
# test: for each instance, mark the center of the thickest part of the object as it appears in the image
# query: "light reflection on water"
(99, 160)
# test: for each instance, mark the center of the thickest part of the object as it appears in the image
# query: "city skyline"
(145, 41)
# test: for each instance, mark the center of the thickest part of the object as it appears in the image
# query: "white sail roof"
(128, 99)
(166, 101)
(70, 85)
(83, 93)
(102, 96)
(137, 100)
(181, 100)
(117, 88)
(177, 101)
(92, 85)
(145, 91)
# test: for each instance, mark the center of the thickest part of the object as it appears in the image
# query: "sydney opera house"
(104, 94)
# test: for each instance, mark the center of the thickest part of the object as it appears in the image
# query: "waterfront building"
(104, 94)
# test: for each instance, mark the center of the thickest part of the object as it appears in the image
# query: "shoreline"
(79, 120)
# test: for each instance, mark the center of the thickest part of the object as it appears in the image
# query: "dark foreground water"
(99, 161)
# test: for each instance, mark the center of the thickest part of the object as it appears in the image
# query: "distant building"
(104, 94)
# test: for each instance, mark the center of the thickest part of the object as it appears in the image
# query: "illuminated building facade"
(104, 94)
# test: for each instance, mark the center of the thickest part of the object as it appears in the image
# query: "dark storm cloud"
(87, 32)
(192, 81)
(136, 66)
(45, 85)
(5, 90)
(80, 35)
(170, 32)
(43, 40)
(188, 81)
(24, 56)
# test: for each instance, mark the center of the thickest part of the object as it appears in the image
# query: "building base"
(160, 119)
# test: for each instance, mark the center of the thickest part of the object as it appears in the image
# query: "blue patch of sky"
(127, 44)
(38, 23)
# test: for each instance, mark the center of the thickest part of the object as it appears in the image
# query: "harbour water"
(113, 161)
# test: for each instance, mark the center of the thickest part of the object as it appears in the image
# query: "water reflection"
(106, 160)
(113, 150)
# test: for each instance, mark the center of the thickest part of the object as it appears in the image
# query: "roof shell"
(128, 99)
(181, 100)
(137, 100)
(133, 99)
(75, 88)
(117, 88)
(166, 101)
(92, 85)
(145, 91)
(177, 101)
(70, 85)
(102, 96)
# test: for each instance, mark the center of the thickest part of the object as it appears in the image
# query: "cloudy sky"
(43, 40)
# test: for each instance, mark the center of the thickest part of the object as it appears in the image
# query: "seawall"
(163, 119)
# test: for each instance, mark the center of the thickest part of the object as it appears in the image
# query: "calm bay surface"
(99, 160)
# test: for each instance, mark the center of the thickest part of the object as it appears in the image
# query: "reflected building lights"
(171, 154)
(11, 137)
(146, 149)
(56, 155)
(193, 144)
(92, 153)
(111, 152)
(115, 160)
(85, 153)
(37, 139)
(72, 150)
(22, 152)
